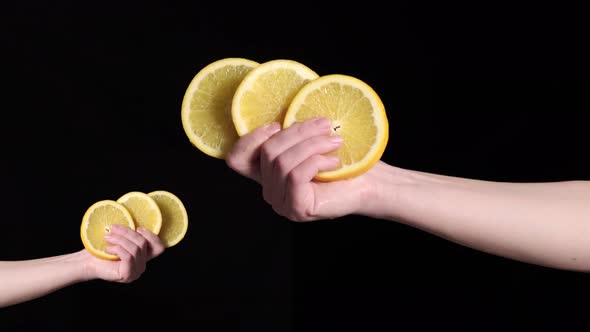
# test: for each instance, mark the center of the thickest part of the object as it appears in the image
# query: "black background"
(91, 110)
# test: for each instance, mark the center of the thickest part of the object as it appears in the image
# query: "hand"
(285, 162)
(134, 248)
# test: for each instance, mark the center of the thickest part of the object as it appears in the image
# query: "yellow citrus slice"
(206, 107)
(174, 217)
(265, 93)
(144, 210)
(97, 221)
(356, 113)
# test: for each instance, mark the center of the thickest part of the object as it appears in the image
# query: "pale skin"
(22, 281)
(546, 224)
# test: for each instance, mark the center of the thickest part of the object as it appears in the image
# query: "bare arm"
(541, 223)
(25, 280)
(22, 281)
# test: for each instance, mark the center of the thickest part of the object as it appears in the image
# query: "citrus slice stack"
(248, 95)
(206, 106)
(174, 217)
(265, 93)
(144, 210)
(97, 221)
(356, 113)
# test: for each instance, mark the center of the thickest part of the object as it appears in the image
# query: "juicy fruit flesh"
(170, 211)
(211, 107)
(99, 224)
(347, 107)
(143, 213)
(269, 97)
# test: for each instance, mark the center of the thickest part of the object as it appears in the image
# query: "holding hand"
(134, 248)
(22, 281)
(539, 223)
(285, 163)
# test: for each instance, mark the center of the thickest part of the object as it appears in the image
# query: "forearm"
(25, 280)
(541, 223)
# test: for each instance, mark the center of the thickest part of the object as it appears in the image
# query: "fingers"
(126, 271)
(307, 170)
(134, 249)
(299, 153)
(140, 243)
(253, 152)
(123, 254)
(156, 247)
(280, 143)
(296, 155)
(130, 234)
(298, 204)
(244, 157)
(285, 163)
(132, 242)
(291, 136)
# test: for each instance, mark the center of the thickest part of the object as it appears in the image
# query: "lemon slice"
(143, 209)
(265, 93)
(97, 221)
(174, 217)
(356, 113)
(206, 106)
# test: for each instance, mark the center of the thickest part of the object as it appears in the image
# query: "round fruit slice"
(265, 93)
(97, 221)
(174, 217)
(206, 107)
(357, 114)
(144, 210)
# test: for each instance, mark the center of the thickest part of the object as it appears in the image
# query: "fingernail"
(273, 127)
(321, 122)
(336, 139)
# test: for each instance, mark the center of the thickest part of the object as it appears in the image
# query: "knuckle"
(130, 279)
(267, 195)
(302, 128)
(281, 164)
(295, 217)
(266, 152)
(233, 161)
(158, 250)
(279, 211)
(123, 256)
(126, 277)
(298, 209)
(301, 216)
(293, 176)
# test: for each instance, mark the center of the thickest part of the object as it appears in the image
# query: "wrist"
(83, 267)
(386, 188)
